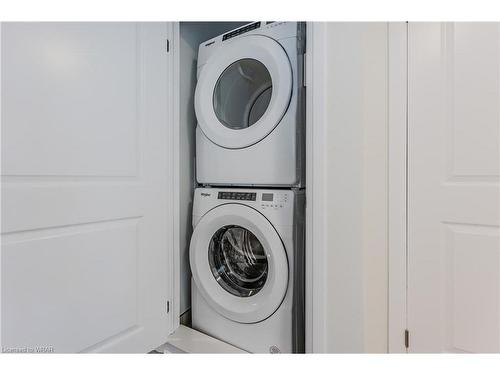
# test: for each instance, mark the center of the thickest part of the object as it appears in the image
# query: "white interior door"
(453, 187)
(86, 255)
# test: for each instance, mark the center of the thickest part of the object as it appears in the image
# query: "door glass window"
(238, 261)
(242, 94)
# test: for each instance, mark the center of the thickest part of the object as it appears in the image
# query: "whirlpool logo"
(205, 194)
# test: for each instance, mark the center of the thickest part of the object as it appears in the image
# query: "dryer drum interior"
(242, 93)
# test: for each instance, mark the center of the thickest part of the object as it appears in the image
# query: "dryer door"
(243, 92)
(239, 263)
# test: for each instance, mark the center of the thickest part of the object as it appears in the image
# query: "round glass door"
(243, 91)
(242, 94)
(238, 261)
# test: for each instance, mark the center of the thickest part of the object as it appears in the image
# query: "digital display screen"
(267, 197)
(237, 195)
(241, 30)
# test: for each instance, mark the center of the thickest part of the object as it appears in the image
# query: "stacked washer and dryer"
(247, 247)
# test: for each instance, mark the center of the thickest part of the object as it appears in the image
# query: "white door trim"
(397, 186)
(316, 192)
(174, 57)
(1, 345)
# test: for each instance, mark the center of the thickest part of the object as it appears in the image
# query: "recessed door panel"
(62, 286)
(59, 87)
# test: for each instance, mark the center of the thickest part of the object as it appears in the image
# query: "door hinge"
(304, 70)
(407, 339)
(168, 307)
(168, 45)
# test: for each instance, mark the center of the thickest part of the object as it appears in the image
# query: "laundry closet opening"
(240, 98)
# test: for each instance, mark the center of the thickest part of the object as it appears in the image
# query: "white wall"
(347, 187)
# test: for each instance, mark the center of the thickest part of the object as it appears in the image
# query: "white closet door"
(453, 182)
(85, 187)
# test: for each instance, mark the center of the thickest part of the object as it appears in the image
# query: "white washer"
(247, 262)
(250, 108)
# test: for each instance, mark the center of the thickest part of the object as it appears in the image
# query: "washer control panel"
(274, 200)
(237, 195)
(266, 200)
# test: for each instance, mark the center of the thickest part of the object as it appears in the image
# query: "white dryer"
(250, 108)
(247, 262)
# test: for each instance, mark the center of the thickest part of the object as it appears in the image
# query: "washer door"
(243, 91)
(239, 263)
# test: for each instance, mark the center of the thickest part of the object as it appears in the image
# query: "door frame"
(397, 185)
(172, 108)
(175, 57)
(1, 200)
(317, 191)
